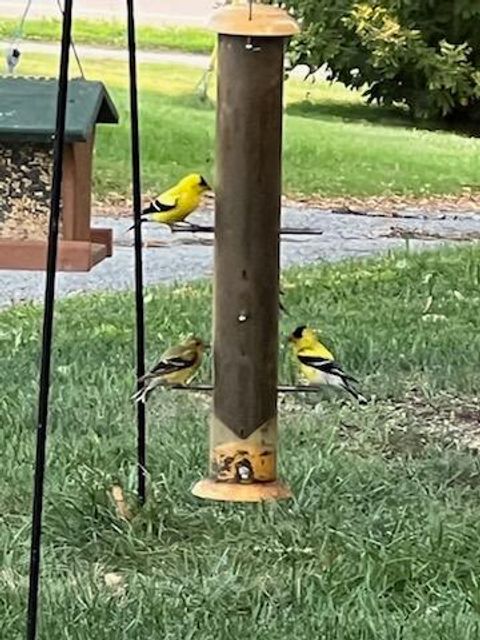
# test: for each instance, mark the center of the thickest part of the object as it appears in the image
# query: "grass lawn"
(334, 145)
(381, 541)
(113, 34)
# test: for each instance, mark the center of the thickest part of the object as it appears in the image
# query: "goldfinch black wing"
(326, 366)
(169, 365)
(161, 206)
(165, 206)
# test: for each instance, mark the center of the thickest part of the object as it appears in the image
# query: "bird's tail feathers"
(145, 378)
(348, 378)
(150, 382)
(142, 219)
(361, 399)
(141, 395)
(345, 378)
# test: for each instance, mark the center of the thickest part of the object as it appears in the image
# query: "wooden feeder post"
(243, 431)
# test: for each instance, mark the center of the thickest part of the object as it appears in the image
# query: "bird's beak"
(290, 339)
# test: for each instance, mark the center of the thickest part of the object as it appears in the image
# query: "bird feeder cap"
(266, 21)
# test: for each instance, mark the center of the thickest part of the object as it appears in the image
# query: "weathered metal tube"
(243, 431)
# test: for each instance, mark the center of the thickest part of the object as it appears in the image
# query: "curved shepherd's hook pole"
(137, 206)
(49, 303)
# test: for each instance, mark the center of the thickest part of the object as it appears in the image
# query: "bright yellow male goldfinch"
(317, 364)
(178, 202)
(178, 365)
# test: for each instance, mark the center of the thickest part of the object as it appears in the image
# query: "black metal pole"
(49, 303)
(137, 205)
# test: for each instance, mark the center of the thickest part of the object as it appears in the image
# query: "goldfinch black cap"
(299, 331)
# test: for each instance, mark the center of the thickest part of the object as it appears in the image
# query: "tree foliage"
(422, 53)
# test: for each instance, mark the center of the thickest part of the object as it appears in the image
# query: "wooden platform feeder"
(27, 124)
(243, 430)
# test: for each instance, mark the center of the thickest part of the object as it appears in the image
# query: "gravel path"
(187, 256)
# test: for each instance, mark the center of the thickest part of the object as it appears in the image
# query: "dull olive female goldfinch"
(178, 365)
(317, 364)
(178, 202)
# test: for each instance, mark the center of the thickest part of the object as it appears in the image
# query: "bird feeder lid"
(28, 108)
(265, 21)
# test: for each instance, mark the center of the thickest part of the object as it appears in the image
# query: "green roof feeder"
(27, 125)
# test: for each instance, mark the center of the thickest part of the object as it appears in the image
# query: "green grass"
(334, 145)
(113, 34)
(381, 541)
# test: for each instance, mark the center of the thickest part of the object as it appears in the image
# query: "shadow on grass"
(350, 112)
(381, 115)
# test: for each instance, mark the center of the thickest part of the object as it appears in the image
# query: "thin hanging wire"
(47, 335)
(19, 31)
(137, 210)
(74, 48)
(250, 9)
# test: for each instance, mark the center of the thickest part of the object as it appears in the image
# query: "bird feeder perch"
(27, 126)
(243, 431)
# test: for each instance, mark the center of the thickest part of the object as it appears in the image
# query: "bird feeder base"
(209, 489)
(73, 255)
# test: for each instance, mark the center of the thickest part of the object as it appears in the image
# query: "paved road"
(154, 12)
(345, 236)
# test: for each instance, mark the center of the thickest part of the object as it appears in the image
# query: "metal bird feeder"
(243, 430)
(244, 422)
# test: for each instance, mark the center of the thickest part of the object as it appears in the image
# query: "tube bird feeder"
(243, 429)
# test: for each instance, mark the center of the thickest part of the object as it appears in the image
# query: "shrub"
(421, 53)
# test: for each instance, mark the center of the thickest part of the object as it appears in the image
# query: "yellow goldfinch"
(318, 365)
(178, 365)
(178, 202)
